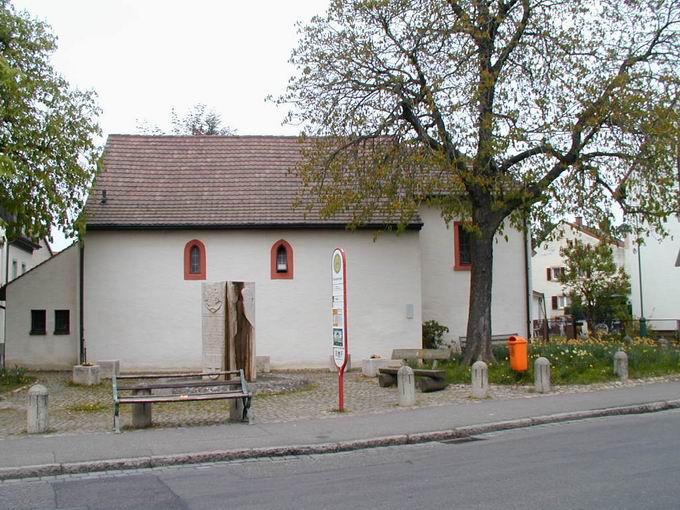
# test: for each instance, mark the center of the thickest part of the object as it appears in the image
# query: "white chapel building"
(168, 213)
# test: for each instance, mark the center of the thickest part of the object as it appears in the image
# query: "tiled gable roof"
(201, 181)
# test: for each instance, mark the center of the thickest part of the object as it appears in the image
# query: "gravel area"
(281, 397)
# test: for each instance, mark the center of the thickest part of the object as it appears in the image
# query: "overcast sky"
(145, 57)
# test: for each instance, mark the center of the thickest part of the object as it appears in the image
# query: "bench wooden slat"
(418, 372)
(424, 354)
(194, 384)
(181, 398)
(495, 339)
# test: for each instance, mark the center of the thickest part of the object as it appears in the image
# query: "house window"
(554, 273)
(194, 260)
(62, 322)
(14, 268)
(23, 267)
(38, 322)
(463, 258)
(560, 302)
(282, 261)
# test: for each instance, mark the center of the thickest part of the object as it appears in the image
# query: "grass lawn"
(11, 378)
(578, 362)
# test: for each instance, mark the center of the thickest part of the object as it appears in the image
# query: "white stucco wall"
(446, 292)
(50, 286)
(8, 254)
(660, 277)
(139, 309)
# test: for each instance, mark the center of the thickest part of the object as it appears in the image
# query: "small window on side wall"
(62, 322)
(194, 260)
(38, 322)
(282, 261)
(463, 258)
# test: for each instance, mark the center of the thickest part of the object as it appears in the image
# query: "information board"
(339, 308)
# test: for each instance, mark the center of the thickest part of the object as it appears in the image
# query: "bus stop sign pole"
(339, 315)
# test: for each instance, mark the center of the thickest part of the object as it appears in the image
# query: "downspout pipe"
(83, 351)
(527, 276)
(4, 312)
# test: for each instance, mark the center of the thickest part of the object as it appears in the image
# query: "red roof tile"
(201, 181)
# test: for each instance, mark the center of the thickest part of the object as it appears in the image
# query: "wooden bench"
(495, 339)
(187, 387)
(427, 379)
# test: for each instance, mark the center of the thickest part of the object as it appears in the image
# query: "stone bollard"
(37, 416)
(621, 365)
(406, 382)
(542, 375)
(663, 344)
(627, 339)
(480, 380)
(141, 413)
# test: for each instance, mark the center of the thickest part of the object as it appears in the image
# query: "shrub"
(433, 334)
(13, 377)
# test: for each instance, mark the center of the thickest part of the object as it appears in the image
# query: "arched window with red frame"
(282, 261)
(194, 260)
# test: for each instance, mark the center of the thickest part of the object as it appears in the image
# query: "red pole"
(341, 390)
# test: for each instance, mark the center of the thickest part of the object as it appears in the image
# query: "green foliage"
(489, 110)
(88, 407)
(11, 378)
(198, 120)
(576, 362)
(597, 287)
(433, 334)
(47, 151)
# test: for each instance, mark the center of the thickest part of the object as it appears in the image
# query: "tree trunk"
(478, 345)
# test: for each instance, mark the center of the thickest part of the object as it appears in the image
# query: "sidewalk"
(61, 454)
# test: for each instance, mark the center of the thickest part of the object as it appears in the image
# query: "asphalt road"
(617, 462)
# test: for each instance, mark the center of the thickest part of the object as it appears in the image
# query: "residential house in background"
(16, 258)
(547, 265)
(169, 213)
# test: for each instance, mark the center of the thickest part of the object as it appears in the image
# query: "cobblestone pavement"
(308, 395)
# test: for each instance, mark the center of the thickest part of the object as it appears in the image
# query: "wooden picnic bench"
(185, 387)
(495, 339)
(426, 379)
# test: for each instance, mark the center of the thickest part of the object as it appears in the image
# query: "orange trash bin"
(519, 353)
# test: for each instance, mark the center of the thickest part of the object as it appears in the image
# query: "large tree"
(48, 153)
(489, 108)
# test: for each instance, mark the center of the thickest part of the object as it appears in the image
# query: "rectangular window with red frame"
(463, 257)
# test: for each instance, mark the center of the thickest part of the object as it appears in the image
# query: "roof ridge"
(193, 137)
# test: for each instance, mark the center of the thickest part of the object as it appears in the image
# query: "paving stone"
(307, 395)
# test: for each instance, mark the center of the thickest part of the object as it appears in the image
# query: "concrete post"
(37, 416)
(663, 344)
(480, 380)
(406, 382)
(621, 365)
(141, 413)
(542, 375)
(86, 375)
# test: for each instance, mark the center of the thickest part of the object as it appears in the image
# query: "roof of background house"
(594, 233)
(151, 182)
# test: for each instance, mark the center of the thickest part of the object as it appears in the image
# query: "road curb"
(321, 448)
